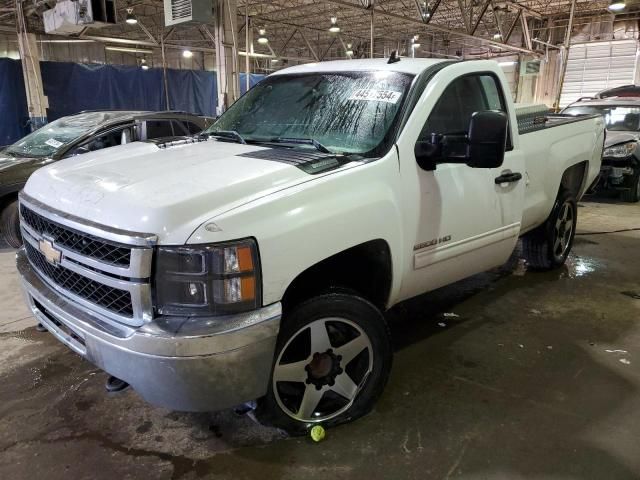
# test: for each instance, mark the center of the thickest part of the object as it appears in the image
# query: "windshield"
(47, 140)
(617, 118)
(345, 112)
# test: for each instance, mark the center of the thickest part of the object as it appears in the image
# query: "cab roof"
(413, 66)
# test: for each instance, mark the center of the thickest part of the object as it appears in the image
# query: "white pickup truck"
(256, 261)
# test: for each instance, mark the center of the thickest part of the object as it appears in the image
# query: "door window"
(160, 128)
(463, 97)
(107, 139)
(193, 128)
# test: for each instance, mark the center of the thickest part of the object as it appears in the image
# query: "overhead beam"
(525, 30)
(313, 52)
(496, 18)
(147, 32)
(530, 11)
(465, 20)
(480, 16)
(433, 10)
(435, 28)
(284, 46)
(513, 26)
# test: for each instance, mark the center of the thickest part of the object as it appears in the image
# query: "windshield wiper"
(228, 134)
(302, 141)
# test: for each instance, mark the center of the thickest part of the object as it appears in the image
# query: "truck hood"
(614, 138)
(168, 192)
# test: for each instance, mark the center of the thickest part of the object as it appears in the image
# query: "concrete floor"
(510, 374)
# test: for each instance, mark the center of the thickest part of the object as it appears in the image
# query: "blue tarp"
(73, 87)
(253, 79)
(13, 102)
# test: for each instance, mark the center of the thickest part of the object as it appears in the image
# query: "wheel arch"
(574, 179)
(365, 269)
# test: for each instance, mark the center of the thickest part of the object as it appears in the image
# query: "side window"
(180, 127)
(159, 129)
(492, 92)
(463, 97)
(107, 139)
(193, 128)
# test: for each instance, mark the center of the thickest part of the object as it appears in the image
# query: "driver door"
(467, 220)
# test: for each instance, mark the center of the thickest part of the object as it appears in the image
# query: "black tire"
(540, 246)
(10, 222)
(633, 194)
(348, 311)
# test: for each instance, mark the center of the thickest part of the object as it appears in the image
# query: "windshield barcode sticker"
(371, 95)
(52, 142)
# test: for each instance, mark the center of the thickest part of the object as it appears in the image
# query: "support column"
(226, 42)
(37, 103)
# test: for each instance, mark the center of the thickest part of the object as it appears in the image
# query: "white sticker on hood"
(52, 142)
(372, 95)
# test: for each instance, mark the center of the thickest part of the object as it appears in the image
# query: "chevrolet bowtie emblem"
(52, 255)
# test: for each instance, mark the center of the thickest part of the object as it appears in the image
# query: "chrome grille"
(77, 241)
(104, 269)
(112, 299)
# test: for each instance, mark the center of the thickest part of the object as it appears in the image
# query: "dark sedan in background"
(621, 158)
(75, 135)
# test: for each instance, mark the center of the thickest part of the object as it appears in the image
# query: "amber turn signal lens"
(245, 259)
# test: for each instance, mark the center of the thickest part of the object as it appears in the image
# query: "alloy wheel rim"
(563, 230)
(321, 369)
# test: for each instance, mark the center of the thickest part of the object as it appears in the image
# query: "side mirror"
(487, 139)
(427, 154)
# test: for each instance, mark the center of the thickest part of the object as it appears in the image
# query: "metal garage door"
(592, 67)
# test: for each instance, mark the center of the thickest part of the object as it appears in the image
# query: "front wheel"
(10, 223)
(548, 246)
(332, 362)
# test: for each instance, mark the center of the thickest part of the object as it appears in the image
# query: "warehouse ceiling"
(298, 30)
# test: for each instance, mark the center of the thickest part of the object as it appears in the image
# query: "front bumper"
(182, 368)
(615, 171)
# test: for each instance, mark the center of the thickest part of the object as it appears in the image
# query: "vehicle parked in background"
(624, 91)
(74, 135)
(621, 158)
(255, 261)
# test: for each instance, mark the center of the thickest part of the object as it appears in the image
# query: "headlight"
(209, 280)
(620, 151)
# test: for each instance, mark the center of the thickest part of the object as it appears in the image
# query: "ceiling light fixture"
(425, 10)
(617, 5)
(187, 53)
(334, 28)
(349, 50)
(497, 36)
(131, 18)
(262, 39)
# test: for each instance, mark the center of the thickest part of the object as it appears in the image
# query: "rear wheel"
(10, 222)
(332, 362)
(548, 246)
(633, 194)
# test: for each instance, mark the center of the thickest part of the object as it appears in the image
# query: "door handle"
(508, 178)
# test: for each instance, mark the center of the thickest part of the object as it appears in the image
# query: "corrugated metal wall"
(595, 66)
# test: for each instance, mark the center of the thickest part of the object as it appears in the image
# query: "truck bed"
(552, 143)
(532, 118)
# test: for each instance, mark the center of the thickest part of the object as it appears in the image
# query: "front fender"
(303, 225)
